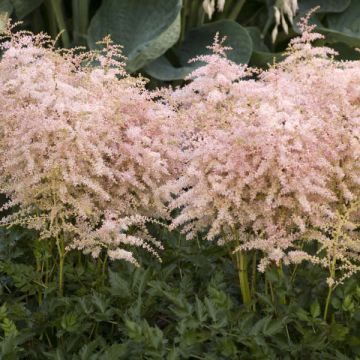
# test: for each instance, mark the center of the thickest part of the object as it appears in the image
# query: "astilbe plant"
(83, 147)
(273, 157)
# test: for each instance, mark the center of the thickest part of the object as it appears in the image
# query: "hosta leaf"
(145, 28)
(348, 22)
(334, 6)
(196, 43)
(162, 69)
(262, 59)
(257, 41)
(198, 39)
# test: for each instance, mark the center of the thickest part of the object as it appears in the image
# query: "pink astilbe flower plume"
(271, 155)
(83, 149)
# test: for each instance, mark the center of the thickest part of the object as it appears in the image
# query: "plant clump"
(83, 148)
(273, 156)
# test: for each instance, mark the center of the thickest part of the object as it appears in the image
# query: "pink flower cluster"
(83, 149)
(271, 156)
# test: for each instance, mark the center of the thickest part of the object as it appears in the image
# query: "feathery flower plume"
(83, 149)
(272, 159)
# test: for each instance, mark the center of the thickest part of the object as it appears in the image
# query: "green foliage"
(160, 36)
(198, 38)
(187, 307)
(146, 29)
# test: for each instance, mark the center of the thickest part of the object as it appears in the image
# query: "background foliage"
(160, 36)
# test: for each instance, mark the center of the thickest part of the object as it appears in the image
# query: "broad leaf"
(145, 28)
(197, 40)
(348, 22)
(333, 6)
(162, 69)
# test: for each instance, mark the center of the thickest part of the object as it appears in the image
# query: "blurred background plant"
(160, 36)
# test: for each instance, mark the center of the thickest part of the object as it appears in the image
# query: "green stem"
(235, 11)
(253, 278)
(272, 292)
(59, 17)
(61, 252)
(253, 275)
(281, 274)
(328, 298)
(241, 259)
(332, 267)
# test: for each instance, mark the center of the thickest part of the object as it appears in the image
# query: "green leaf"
(3, 311)
(211, 309)
(343, 22)
(162, 69)
(119, 287)
(257, 41)
(260, 325)
(70, 322)
(348, 304)
(200, 310)
(273, 327)
(348, 22)
(9, 327)
(145, 28)
(338, 331)
(262, 59)
(25, 7)
(315, 309)
(334, 6)
(197, 40)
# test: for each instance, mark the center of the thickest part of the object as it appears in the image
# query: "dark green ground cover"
(187, 307)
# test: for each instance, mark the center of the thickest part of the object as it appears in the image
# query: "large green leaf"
(348, 22)
(197, 40)
(262, 59)
(25, 7)
(333, 6)
(261, 56)
(343, 20)
(162, 69)
(145, 28)
(257, 40)
(325, 6)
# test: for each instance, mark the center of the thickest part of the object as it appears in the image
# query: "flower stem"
(61, 252)
(241, 260)
(328, 298)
